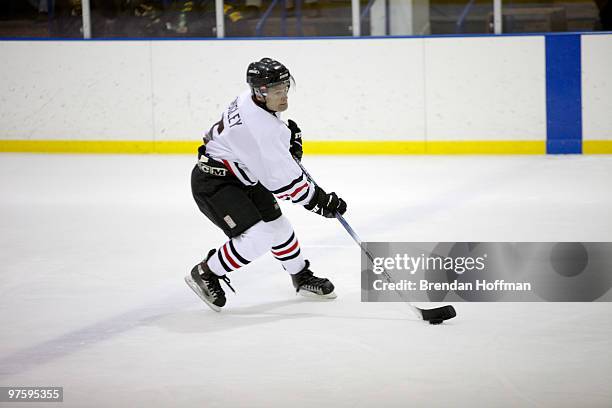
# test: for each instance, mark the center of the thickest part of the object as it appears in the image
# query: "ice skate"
(306, 284)
(205, 283)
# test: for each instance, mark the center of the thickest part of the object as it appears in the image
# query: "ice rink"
(94, 249)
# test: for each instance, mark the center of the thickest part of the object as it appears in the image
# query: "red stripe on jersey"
(229, 258)
(286, 251)
(292, 195)
(226, 163)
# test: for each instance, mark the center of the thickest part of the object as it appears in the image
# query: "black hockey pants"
(228, 203)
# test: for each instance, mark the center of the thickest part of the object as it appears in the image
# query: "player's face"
(277, 97)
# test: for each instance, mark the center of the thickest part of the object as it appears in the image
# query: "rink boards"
(510, 94)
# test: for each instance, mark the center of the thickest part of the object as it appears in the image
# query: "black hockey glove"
(326, 204)
(296, 140)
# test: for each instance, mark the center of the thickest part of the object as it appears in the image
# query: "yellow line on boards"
(363, 147)
(597, 146)
(431, 147)
(313, 147)
(77, 146)
(487, 147)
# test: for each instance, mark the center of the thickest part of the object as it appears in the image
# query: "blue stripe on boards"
(563, 95)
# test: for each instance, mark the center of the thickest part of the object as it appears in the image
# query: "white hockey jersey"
(253, 144)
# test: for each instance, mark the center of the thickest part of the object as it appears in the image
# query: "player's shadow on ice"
(204, 320)
(169, 314)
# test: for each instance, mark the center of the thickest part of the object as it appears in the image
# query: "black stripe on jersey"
(289, 186)
(290, 257)
(223, 264)
(243, 174)
(237, 255)
(276, 248)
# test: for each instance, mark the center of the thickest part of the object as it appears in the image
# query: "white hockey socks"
(277, 236)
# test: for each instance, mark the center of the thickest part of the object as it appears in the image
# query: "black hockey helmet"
(265, 73)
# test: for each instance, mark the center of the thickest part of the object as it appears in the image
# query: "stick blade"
(438, 314)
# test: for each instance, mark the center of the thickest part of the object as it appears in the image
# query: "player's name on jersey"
(233, 117)
(478, 285)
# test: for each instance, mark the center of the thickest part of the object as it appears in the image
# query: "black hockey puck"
(436, 321)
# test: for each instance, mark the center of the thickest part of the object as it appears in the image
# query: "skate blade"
(311, 295)
(194, 286)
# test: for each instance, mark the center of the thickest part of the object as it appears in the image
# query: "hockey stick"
(433, 316)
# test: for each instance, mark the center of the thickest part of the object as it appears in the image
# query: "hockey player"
(245, 164)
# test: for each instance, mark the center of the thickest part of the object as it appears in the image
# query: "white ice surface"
(93, 250)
